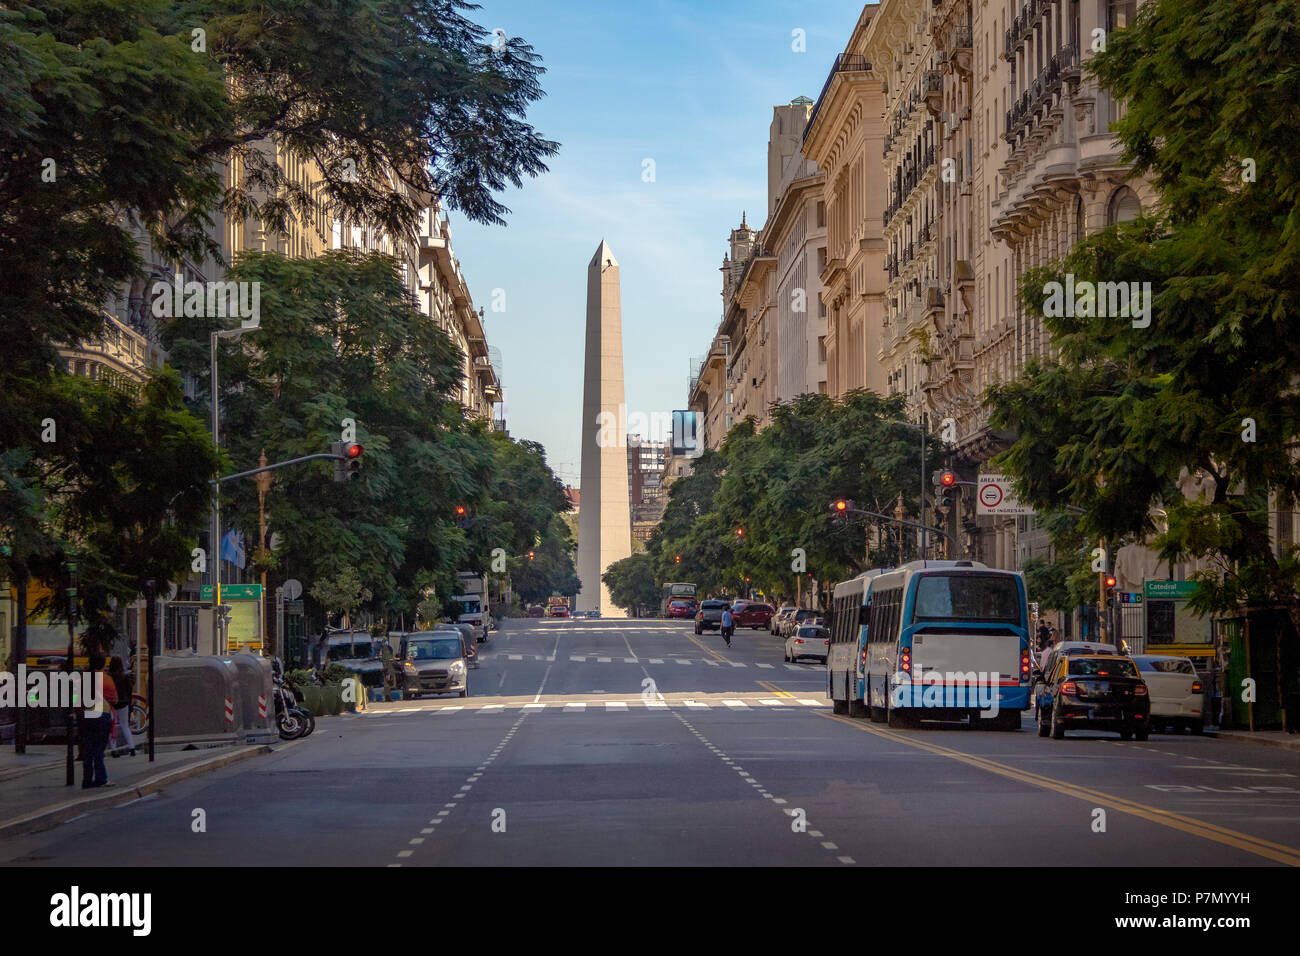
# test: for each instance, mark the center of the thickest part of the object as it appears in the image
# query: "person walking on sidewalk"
(96, 725)
(122, 709)
(728, 626)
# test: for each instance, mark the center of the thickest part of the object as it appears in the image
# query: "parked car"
(682, 607)
(358, 651)
(1094, 692)
(1177, 694)
(536, 610)
(779, 618)
(438, 659)
(809, 641)
(751, 614)
(709, 616)
(801, 617)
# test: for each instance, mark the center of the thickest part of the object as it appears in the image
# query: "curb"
(13, 773)
(1292, 745)
(52, 816)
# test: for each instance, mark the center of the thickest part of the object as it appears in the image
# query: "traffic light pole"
(910, 524)
(278, 464)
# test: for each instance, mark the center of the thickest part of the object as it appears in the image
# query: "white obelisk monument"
(604, 516)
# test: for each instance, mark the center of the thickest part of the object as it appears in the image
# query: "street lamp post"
(215, 543)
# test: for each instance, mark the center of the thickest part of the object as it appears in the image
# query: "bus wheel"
(1007, 720)
(899, 720)
(839, 706)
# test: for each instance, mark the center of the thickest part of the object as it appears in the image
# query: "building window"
(1121, 14)
(1124, 206)
(1078, 220)
(821, 260)
(1284, 533)
(821, 215)
(821, 348)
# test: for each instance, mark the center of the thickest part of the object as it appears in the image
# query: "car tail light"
(1140, 690)
(905, 661)
(1024, 665)
(1196, 687)
(827, 643)
(1069, 689)
(798, 640)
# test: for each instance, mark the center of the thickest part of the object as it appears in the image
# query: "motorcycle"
(292, 720)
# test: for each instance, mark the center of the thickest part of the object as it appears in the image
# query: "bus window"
(967, 597)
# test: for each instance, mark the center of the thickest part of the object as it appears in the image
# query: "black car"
(1094, 692)
(710, 616)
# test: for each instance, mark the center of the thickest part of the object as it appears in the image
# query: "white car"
(785, 611)
(810, 640)
(1176, 693)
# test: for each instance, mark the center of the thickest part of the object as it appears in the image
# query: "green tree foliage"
(550, 570)
(118, 122)
(346, 342)
(1126, 414)
(631, 583)
(778, 484)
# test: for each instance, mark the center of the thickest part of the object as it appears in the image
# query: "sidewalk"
(1267, 738)
(34, 795)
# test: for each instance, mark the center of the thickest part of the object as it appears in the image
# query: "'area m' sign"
(995, 496)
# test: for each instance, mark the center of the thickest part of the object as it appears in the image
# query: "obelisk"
(604, 516)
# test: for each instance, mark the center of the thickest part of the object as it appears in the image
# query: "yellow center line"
(1278, 852)
(768, 685)
(707, 650)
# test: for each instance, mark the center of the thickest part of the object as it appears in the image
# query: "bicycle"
(138, 715)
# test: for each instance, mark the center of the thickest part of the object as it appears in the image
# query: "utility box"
(190, 695)
(257, 705)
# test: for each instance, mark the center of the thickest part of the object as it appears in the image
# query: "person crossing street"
(728, 626)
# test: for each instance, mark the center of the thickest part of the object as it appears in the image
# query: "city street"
(606, 742)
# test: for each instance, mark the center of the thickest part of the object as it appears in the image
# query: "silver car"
(439, 659)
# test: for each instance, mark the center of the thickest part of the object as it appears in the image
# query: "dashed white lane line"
(465, 790)
(759, 788)
(615, 705)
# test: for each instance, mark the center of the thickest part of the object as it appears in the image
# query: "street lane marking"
(735, 703)
(575, 706)
(705, 648)
(1278, 852)
(768, 685)
(615, 705)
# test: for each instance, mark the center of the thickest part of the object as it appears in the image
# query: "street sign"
(292, 589)
(233, 592)
(1170, 590)
(995, 496)
(1130, 597)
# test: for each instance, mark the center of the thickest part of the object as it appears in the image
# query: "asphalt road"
(637, 743)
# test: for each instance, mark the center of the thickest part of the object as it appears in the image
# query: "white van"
(1176, 693)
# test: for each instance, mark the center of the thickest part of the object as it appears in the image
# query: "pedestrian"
(1043, 633)
(1045, 653)
(96, 726)
(727, 626)
(122, 686)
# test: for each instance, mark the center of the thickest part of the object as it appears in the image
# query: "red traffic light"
(1110, 581)
(679, 559)
(460, 511)
(354, 450)
(841, 505)
(740, 532)
(947, 478)
(530, 555)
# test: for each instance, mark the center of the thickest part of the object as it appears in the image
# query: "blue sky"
(689, 85)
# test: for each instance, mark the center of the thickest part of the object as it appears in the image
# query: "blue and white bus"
(932, 640)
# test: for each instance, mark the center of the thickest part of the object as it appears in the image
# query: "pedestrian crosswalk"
(610, 659)
(788, 704)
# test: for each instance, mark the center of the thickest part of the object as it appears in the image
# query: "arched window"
(1124, 206)
(1079, 231)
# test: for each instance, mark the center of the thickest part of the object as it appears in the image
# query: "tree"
(341, 594)
(777, 485)
(550, 568)
(631, 583)
(117, 123)
(1202, 386)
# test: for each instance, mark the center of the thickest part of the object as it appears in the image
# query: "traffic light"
(947, 478)
(530, 555)
(1110, 583)
(347, 460)
(462, 516)
(679, 559)
(740, 532)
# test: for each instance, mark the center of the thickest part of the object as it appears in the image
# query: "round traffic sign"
(292, 589)
(991, 495)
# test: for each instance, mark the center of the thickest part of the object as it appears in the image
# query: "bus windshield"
(967, 597)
